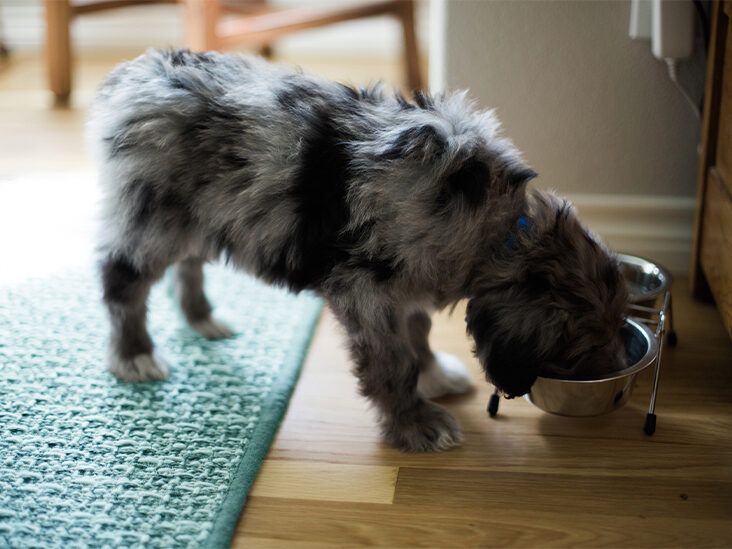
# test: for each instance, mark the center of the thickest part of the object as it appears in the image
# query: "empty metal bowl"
(598, 396)
(647, 281)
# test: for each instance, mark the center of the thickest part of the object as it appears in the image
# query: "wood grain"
(271, 24)
(326, 481)
(716, 252)
(58, 48)
(723, 157)
(537, 492)
(282, 523)
(709, 133)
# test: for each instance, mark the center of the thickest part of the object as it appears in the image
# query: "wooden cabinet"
(712, 254)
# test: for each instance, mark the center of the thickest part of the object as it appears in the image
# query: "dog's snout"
(514, 386)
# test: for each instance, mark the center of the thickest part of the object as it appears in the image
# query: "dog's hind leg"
(193, 302)
(387, 368)
(126, 288)
(440, 374)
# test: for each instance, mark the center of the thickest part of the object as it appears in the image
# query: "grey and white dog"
(387, 208)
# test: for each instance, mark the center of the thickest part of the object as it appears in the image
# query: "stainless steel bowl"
(602, 395)
(647, 281)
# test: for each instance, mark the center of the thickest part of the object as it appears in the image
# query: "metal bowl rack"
(650, 304)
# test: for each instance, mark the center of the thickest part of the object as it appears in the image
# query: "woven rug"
(87, 461)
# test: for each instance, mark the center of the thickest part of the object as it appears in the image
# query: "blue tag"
(522, 224)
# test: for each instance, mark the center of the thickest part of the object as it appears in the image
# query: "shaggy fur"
(387, 208)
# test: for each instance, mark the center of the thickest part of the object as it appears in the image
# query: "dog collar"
(523, 224)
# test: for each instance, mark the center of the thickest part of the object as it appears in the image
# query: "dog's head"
(551, 303)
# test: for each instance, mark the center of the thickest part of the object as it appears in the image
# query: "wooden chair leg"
(201, 18)
(411, 52)
(266, 51)
(58, 48)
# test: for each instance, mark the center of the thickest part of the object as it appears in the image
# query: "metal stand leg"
(493, 403)
(650, 425)
(671, 333)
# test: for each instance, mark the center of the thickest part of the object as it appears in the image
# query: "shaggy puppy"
(389, 209)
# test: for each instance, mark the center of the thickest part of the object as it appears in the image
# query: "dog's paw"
(447, 375)
(432, 429)
(211, 328)
(141, 368)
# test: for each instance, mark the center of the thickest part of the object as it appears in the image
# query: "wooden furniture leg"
(266, 51)
(260, 26)
(411, 53)
(201, 20)
(58, 48)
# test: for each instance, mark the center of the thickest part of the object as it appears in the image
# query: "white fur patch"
(140, 368)
(447, 375)
(212, 329)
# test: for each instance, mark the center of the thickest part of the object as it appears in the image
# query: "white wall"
(593, 110)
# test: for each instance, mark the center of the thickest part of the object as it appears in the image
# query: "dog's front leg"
(440, 373)
(388, 368)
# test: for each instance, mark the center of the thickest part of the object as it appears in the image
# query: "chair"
(221, 24)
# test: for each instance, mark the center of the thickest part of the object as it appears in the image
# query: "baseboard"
(657, 227)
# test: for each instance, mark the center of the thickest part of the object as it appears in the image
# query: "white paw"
(140, 368)
(447, 375)
(212, 329)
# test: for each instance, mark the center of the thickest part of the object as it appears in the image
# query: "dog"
(388, 208)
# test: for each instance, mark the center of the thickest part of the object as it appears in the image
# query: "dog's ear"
(565, 221)
(508, 362)
(511, 366)
(468, 184)
(422, 143)
(516, 175)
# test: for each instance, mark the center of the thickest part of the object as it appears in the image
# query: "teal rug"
(86, 461)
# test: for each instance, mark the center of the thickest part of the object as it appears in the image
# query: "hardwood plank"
(624, 496)
(282, 522)
(518, 453)
(326, 481)
(268, 543)
(697, 425)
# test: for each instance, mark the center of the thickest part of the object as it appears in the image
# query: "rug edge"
(224, 525)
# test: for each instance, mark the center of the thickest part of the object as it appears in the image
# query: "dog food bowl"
(648, 284)
(594, 397)
(649, 312)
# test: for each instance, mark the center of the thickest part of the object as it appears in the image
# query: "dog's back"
(193, 155)
(287, 174)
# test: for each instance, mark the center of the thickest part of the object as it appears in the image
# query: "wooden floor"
(523, 479)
